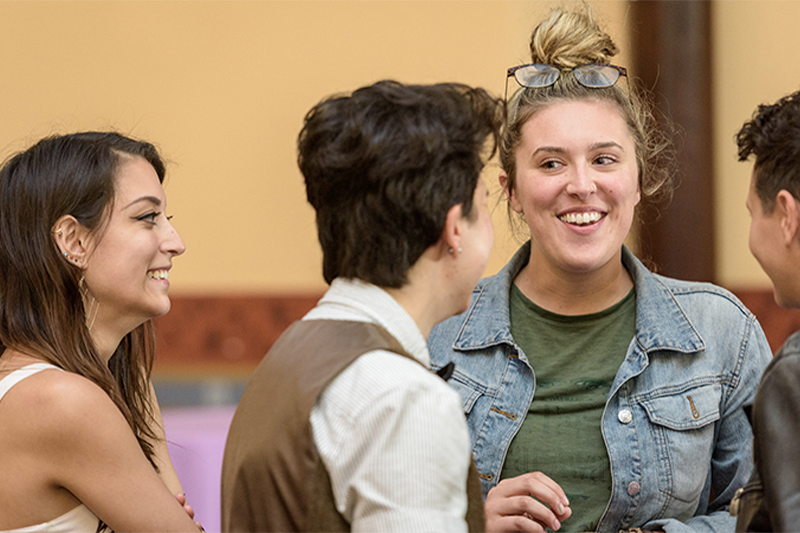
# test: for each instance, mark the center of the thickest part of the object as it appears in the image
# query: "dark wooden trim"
(226, 336)
(778, 323)
(223, 334)
(671, 47)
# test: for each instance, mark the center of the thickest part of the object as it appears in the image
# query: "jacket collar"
(661, 323)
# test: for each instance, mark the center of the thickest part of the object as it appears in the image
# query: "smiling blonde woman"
(600, 396)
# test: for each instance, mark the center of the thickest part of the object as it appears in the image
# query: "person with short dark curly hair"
(771, 499)
(343, 425)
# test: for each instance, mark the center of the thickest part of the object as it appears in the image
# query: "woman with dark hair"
(600, 396)
(85, 254)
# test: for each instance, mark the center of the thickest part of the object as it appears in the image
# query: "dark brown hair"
(41, 309)
(384, 165)
(773, 137)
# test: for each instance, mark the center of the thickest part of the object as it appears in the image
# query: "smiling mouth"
(159, 274)
(581, 219)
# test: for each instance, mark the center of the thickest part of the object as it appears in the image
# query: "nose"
(172, 243)
(581, 183)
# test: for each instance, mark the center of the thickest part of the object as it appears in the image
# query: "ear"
(71, 238)
(788, 211)
(453, 231)
(511, 195)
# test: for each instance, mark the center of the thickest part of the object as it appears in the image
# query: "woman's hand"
(530, 502)
(181, 497)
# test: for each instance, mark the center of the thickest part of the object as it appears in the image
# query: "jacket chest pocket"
(469, 392)
(682, 428)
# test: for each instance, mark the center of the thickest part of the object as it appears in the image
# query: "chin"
(589, 260)
(786, 301)
(464, 306)
(161, 309)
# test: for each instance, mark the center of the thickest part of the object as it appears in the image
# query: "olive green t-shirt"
(574, 360)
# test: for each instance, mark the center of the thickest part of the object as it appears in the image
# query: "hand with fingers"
(181, 497)
(530, 502)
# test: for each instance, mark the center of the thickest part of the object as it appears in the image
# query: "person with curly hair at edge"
(771, 499)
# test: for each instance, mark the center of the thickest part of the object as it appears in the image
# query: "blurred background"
(222, 88)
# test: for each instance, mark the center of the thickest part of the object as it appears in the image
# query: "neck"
(12, 359)
(425, 296)
(417, 304)
(108, 331)
(574, 293)
(786, 288)
(105, 342)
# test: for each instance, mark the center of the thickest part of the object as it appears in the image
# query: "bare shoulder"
(55, 388)
(55, 403)
(68, 434)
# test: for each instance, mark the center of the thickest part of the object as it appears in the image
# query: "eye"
(550, 164)
(605, 159)
(150, 217)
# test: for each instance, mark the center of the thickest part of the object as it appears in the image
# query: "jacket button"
(625, 416)
(634, 488)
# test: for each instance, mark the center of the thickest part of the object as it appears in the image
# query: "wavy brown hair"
(566, 39)
(41, 309)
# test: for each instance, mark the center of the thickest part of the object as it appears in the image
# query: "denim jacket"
(673, 423)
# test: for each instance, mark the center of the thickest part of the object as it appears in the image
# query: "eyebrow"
(549, 149)
(560, 150)
(152, 199)
(607, 144)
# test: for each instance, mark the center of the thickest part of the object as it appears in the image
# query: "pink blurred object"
(196, 440)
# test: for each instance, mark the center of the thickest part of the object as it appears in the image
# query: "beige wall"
(222, 87)
(757, 49)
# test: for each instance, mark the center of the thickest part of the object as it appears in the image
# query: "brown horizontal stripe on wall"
(778, 323)
(223, 334)
(230, 334)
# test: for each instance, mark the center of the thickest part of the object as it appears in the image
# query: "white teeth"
(159, 274)
(581, 219)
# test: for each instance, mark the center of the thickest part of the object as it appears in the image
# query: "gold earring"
(90, 306)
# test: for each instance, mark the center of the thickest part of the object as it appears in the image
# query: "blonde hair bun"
(566, 39)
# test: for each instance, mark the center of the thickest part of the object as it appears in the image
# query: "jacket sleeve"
(776, 419)
(732, 459)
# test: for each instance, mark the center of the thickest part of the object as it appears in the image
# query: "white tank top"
(79, 519)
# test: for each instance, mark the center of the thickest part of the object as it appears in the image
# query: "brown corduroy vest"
(272, 476)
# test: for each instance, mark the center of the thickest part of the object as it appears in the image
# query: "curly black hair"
(773, 137)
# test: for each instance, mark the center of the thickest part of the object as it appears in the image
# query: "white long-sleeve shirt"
(391, 434)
